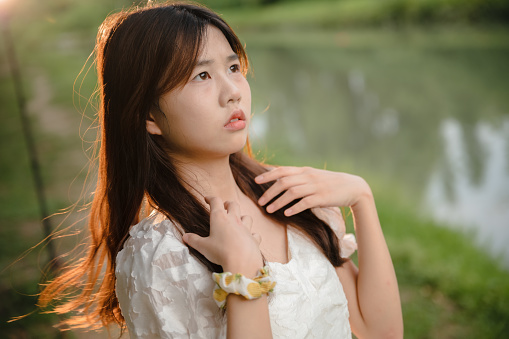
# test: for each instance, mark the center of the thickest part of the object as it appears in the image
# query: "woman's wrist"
(365, 197)
(247, 268)
(234, 283)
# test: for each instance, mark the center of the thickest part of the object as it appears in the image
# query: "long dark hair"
(142, 54)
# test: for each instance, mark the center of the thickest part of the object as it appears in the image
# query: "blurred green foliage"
(365, 12)
(362, 13)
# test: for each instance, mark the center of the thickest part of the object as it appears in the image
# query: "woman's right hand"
(230, 242)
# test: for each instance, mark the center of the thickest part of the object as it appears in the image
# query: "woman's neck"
(211, 177)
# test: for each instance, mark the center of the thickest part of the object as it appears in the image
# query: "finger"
(232, 207)
(258, 238)
(279, 186)
(293, 193)
(247, 221)
(194, 240)
(302, 205)
(215, 203)
(277, 173)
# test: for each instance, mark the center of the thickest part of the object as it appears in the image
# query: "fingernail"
(288, 212)
(270, 209)
(261, 201)
(259, 178)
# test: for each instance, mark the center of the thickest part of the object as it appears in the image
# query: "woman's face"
(209, 116)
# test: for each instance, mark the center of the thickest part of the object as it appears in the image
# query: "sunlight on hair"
(4, 5)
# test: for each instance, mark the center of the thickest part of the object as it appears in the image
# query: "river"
(432, 121)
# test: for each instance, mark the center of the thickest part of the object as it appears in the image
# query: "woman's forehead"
(214, 43)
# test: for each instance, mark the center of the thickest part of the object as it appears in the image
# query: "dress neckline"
(289, 248)
(158, 217)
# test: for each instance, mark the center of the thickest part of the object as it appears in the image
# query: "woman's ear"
(152, 127)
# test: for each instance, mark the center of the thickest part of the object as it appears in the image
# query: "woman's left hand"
(365, 293)
(315, 188)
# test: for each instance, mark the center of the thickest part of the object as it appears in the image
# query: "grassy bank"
(449, 288)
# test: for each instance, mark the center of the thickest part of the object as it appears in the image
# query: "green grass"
(445, 280)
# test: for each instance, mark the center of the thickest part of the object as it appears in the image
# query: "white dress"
(164, 292)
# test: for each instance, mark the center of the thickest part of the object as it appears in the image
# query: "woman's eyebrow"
(232, 57)
(204, 62)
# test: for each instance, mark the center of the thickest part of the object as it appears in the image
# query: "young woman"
(179, 197)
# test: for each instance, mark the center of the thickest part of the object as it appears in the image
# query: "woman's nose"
(230, 91)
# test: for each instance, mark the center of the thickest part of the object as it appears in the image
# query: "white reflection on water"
(482, 208)
(386, 123)
(367, 107)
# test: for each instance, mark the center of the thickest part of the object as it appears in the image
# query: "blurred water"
(481, 207)
(427, 122)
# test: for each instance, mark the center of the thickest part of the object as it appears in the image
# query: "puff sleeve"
(162, 290)
(334, 218)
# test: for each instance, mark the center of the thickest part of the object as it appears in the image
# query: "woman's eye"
(235, 68)
(202, 76)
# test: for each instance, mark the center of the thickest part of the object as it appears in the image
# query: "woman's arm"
(232, 245)
(372, 291)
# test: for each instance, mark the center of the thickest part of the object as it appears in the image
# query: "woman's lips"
(237, 121)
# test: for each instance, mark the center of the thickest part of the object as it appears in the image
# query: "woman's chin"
(238, 145)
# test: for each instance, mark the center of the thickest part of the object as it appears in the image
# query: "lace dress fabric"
(164, 292)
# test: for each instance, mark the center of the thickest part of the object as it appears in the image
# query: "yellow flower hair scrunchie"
(238, 284)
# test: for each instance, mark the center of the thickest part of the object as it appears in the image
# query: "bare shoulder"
(347, 273)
